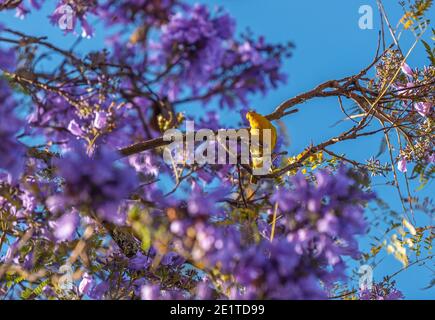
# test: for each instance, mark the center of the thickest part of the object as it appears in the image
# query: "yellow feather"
(259, 122)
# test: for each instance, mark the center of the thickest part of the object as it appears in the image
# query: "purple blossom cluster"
(416, 100)
(24, 7)
(409, 86)
(206, 50)
(143, 288)
(65, 227)
(323, 218)
(12, 151)
(150, 12)
(262, 64)
(275, 270)
(68, 13)
(144, 163)
(155, 292)
(197, 39)
(58, 120)
(143, 261)
(20, 201)
(381, 292)
(318, 227)
(96, 181)
(8, 59)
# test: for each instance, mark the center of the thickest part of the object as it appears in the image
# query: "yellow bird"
(257, 123)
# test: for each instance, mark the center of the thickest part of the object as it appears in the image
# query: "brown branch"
(143, 146)
(10, 4)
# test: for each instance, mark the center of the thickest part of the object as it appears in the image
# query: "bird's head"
(250, 115)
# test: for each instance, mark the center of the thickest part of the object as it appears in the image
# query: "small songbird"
(259, 122)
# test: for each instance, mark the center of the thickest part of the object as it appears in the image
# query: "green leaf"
(429, 51)
(33, 293)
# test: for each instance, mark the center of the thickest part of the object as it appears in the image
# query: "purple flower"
(154, 292)
(204, 290)
(8, 60)
(64, 17)
(275, 271)
(150, 292)
(11, 252)
(87, 30)
(315, 215)
(29, 261)
(67, 13)
(75, 128)
(28, 204)
(202, 203)
(96, 181)
(148, 12)
(36, 4)
(100, 121)
(197, 38)
(406, 69)
(86, 284)
(65, 226)
(381, 292)
(145, 163)
(12, 152)
(423, 108)
(98, 291)
(401, 165)
(172, 259)
(55, 203)
(49, 292)
(140, 262)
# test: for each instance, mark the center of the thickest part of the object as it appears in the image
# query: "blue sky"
(328, 44)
